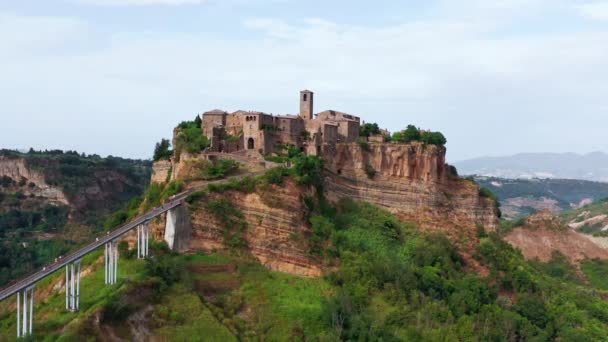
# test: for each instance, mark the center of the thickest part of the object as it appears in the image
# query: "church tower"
(306, 102)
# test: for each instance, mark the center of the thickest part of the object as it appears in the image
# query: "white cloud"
(451, 73)
(595, 10)
(139, 2)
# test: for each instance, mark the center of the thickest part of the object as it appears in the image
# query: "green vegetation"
(391, 282)
(232, 221)
(564, 192)
(6, 181)
(196, 297)
(370, 171)
(369, 129)
(219, 168)
(307, 170)
(397, 284)
(155, 195)
(412, 133)
(363, 144)
(189, 138)
(162, 150)
(597, 272)
(34, 230)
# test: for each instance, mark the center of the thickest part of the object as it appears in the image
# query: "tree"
(433, 138)
(369, 129)
(411, 133)
(162, 151)
(198, 121)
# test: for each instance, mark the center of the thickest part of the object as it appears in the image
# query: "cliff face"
(412, 181)
(17, 169)
(83, 184)
(275, 232)
(160, 171)
(543, 233)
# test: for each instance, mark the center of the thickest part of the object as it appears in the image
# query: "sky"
(497, 77)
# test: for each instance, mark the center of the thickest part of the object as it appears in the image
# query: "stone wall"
(160, 171)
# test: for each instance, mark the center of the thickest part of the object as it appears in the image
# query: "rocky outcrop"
(17, 169)
(160, 171)
(543, 234)
(276, 232)
(411, 181)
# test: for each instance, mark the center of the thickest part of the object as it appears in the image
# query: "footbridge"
(24, 288)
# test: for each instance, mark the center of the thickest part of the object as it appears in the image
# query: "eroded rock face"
(160, 171)
(17, 168)
(411, 181)
(543, 234)
(276, 231)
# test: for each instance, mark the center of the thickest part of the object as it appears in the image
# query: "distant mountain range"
(592, 166)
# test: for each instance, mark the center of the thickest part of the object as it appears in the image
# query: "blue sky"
(497, 77)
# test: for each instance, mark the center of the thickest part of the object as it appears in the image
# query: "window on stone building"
(304, 97)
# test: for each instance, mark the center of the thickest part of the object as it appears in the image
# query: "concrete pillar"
(147, 232)
(111, 258)
(19, 314)
(178, 229)
(25, 311)
(72, 286)
(143, 237)
(138, 241)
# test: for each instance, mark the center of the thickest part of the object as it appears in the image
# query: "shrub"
(245, 184)
(452, 171)
(162, 150)
(369, 129)
(232, 220)
(308, 170)
(219, 169)
(370, 171)
(189, 137)
(364, 144)
(411, 133)
(6, 181)
(433, 138)
(196, 196)
(169, 269)
(276, 175)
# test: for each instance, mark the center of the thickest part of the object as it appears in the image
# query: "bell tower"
(306, 104)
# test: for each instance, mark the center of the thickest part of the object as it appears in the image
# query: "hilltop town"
(251, 130)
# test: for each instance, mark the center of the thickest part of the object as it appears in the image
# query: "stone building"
(247, 130)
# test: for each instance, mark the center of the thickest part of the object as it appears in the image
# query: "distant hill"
(520, 197)
(54, 201)
(590, 219)
(592, 166)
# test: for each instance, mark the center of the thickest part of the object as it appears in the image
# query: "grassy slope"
(279, 303)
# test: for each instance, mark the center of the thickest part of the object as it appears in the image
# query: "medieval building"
(242, 130)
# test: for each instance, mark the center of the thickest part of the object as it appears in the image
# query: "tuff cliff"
(33, 182)
(275, 226)
(411, 180)
(414, 182)
(542, 234)
(83, 183)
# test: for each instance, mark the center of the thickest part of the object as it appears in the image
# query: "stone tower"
(306, 104)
